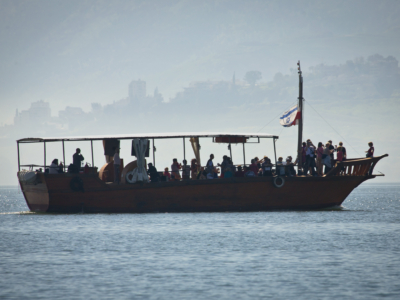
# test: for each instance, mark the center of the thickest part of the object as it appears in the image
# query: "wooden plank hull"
(53, 193)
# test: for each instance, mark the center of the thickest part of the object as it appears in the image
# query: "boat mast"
(300, 137)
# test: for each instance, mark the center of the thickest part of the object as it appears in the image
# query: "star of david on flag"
(290, 117)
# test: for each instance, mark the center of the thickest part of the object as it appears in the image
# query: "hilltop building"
(38, 113)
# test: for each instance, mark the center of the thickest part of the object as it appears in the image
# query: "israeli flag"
(289, 117)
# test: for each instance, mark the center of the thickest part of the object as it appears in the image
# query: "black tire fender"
(279, 181)
(76, 184)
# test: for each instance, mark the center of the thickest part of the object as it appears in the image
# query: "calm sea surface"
(353, 253)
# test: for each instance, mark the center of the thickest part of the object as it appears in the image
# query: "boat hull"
(54, 193)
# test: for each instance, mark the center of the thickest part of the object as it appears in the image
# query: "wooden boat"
(90, 193)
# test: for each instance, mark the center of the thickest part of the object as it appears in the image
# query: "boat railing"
(355, 167)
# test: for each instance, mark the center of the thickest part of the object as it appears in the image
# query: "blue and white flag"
(290, 117)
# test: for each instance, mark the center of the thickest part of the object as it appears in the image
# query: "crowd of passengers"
(314, 159)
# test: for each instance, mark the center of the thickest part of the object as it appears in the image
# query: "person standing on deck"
(370, 152)
(117, 163)
(343, 150)
(76, 160)
(332, 149)
(210, 165)
(223, 165)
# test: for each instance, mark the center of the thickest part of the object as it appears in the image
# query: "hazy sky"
(78, 52)
(74, 53)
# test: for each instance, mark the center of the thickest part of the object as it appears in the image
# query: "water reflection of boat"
(90, 192)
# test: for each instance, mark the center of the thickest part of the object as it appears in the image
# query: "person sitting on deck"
(239, 172)
(280, 167)
(370, 152)
(213, 174)
(253, 167)
(266, 166)
(202, 174)
(257, 162)
(61, 167)
(54, 168)
(175, 167)
(248, 172)
(166, 174)
(77, 158)
(152, 171)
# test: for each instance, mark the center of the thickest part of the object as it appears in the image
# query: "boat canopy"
(169, 135)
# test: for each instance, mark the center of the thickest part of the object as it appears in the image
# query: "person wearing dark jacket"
(77, 158)
(152, 171)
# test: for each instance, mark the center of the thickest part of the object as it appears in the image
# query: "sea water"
(348, 253)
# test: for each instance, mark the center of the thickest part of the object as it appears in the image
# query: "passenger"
(175, 167)
(290, 171)
(229, 169)
(253, 167)
(332, 149)
(320, 152)
(258, 162)
(310, 158)
(54, 168)
(231, 166)
(370, 152)
(210, 165)
(280, 167)
(213, 174)
(202, 174)
(77, 158)
(185, 170)
(326, 158)
(239, 172)
(194, 168)
(339, 155)
(152, 171)
(260, 172)
(61, 167)
(303, 157)
(167, 174)
(117, 163)
(344, 151)
(248, 172)
(266, 166)
(223, 165)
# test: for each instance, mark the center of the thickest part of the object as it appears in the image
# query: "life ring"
(76, 184)
(276, 180)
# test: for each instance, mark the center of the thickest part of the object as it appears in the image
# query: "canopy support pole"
(230, 147)
(184, 149)
(19, 168)
(91, 145)
(154, 157)
(63, 155)
(244, 156)
(44, 145)
(275, 152)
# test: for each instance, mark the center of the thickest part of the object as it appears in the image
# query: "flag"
(290, 117)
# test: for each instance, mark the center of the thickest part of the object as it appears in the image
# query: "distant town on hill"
(354, 82)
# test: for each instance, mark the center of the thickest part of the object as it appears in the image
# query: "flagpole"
(300, 137)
